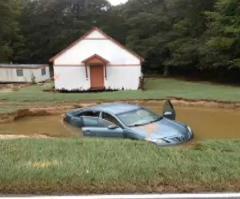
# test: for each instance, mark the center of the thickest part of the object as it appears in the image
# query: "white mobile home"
(97, 62)
(20, 73)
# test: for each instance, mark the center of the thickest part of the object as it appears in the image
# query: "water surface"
(207, 123)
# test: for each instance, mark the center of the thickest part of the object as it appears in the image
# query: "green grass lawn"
(100, 166)
(159, 88)
(117, 166)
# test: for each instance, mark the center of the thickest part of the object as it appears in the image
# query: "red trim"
(84, 37)
(86, 70)
(120, 45)
(71, 45)
(109, 65)
(69, 65)
(105, 71)
(95, 57)
(96, 39)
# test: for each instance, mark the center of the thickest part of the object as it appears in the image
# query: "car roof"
(116, 108)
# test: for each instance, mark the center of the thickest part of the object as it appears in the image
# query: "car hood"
(162, 129)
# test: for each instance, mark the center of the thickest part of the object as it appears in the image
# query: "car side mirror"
(169, 111)
(112, 127)
(169, 115)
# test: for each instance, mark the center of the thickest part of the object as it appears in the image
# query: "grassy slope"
(155, 89)
(96, 166)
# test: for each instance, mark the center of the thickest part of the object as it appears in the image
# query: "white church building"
(97, 62)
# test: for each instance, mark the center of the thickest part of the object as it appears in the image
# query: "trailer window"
(19, 72)
(43, 71)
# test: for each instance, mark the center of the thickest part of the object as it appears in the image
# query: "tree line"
(191, 38)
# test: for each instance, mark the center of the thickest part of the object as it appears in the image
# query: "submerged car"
(131, 121)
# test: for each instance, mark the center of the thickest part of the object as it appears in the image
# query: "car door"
(90, 118)
(108, 127)
(90, 121)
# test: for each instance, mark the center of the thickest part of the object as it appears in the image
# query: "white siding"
(71, 78)
(105, 48)
(10, 75)
(118, 78)
(126, 78)
(95, 34)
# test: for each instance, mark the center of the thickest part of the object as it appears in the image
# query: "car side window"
(107, 117)
(94, 114)
(90, 118)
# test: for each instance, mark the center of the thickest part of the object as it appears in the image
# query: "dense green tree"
(222, 49)
(189, 25)
(50, 25)
(182, 37)
(148, 24)
(10, 36)
(167, 32)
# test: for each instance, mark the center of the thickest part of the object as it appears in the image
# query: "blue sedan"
(118, 120)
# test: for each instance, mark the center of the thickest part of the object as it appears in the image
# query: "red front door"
(97, 77)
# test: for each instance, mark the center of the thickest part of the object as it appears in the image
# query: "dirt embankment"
(180, 102)
(110, 188)
(39, 111)
(205, 103)
(8, 88)
(9, 117)
(13, 137)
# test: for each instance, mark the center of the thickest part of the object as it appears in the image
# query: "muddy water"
(45, 125)
(207, 123)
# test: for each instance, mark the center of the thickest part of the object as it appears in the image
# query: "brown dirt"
(93, 188)
(191, 103)
(205, 103)
(39, 111)
(194, 103)
(14, 137)
(6, 88)
(9, 117)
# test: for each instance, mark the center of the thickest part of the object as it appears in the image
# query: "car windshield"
(138, 117)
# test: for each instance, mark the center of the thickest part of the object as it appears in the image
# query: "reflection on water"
(207, 123)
